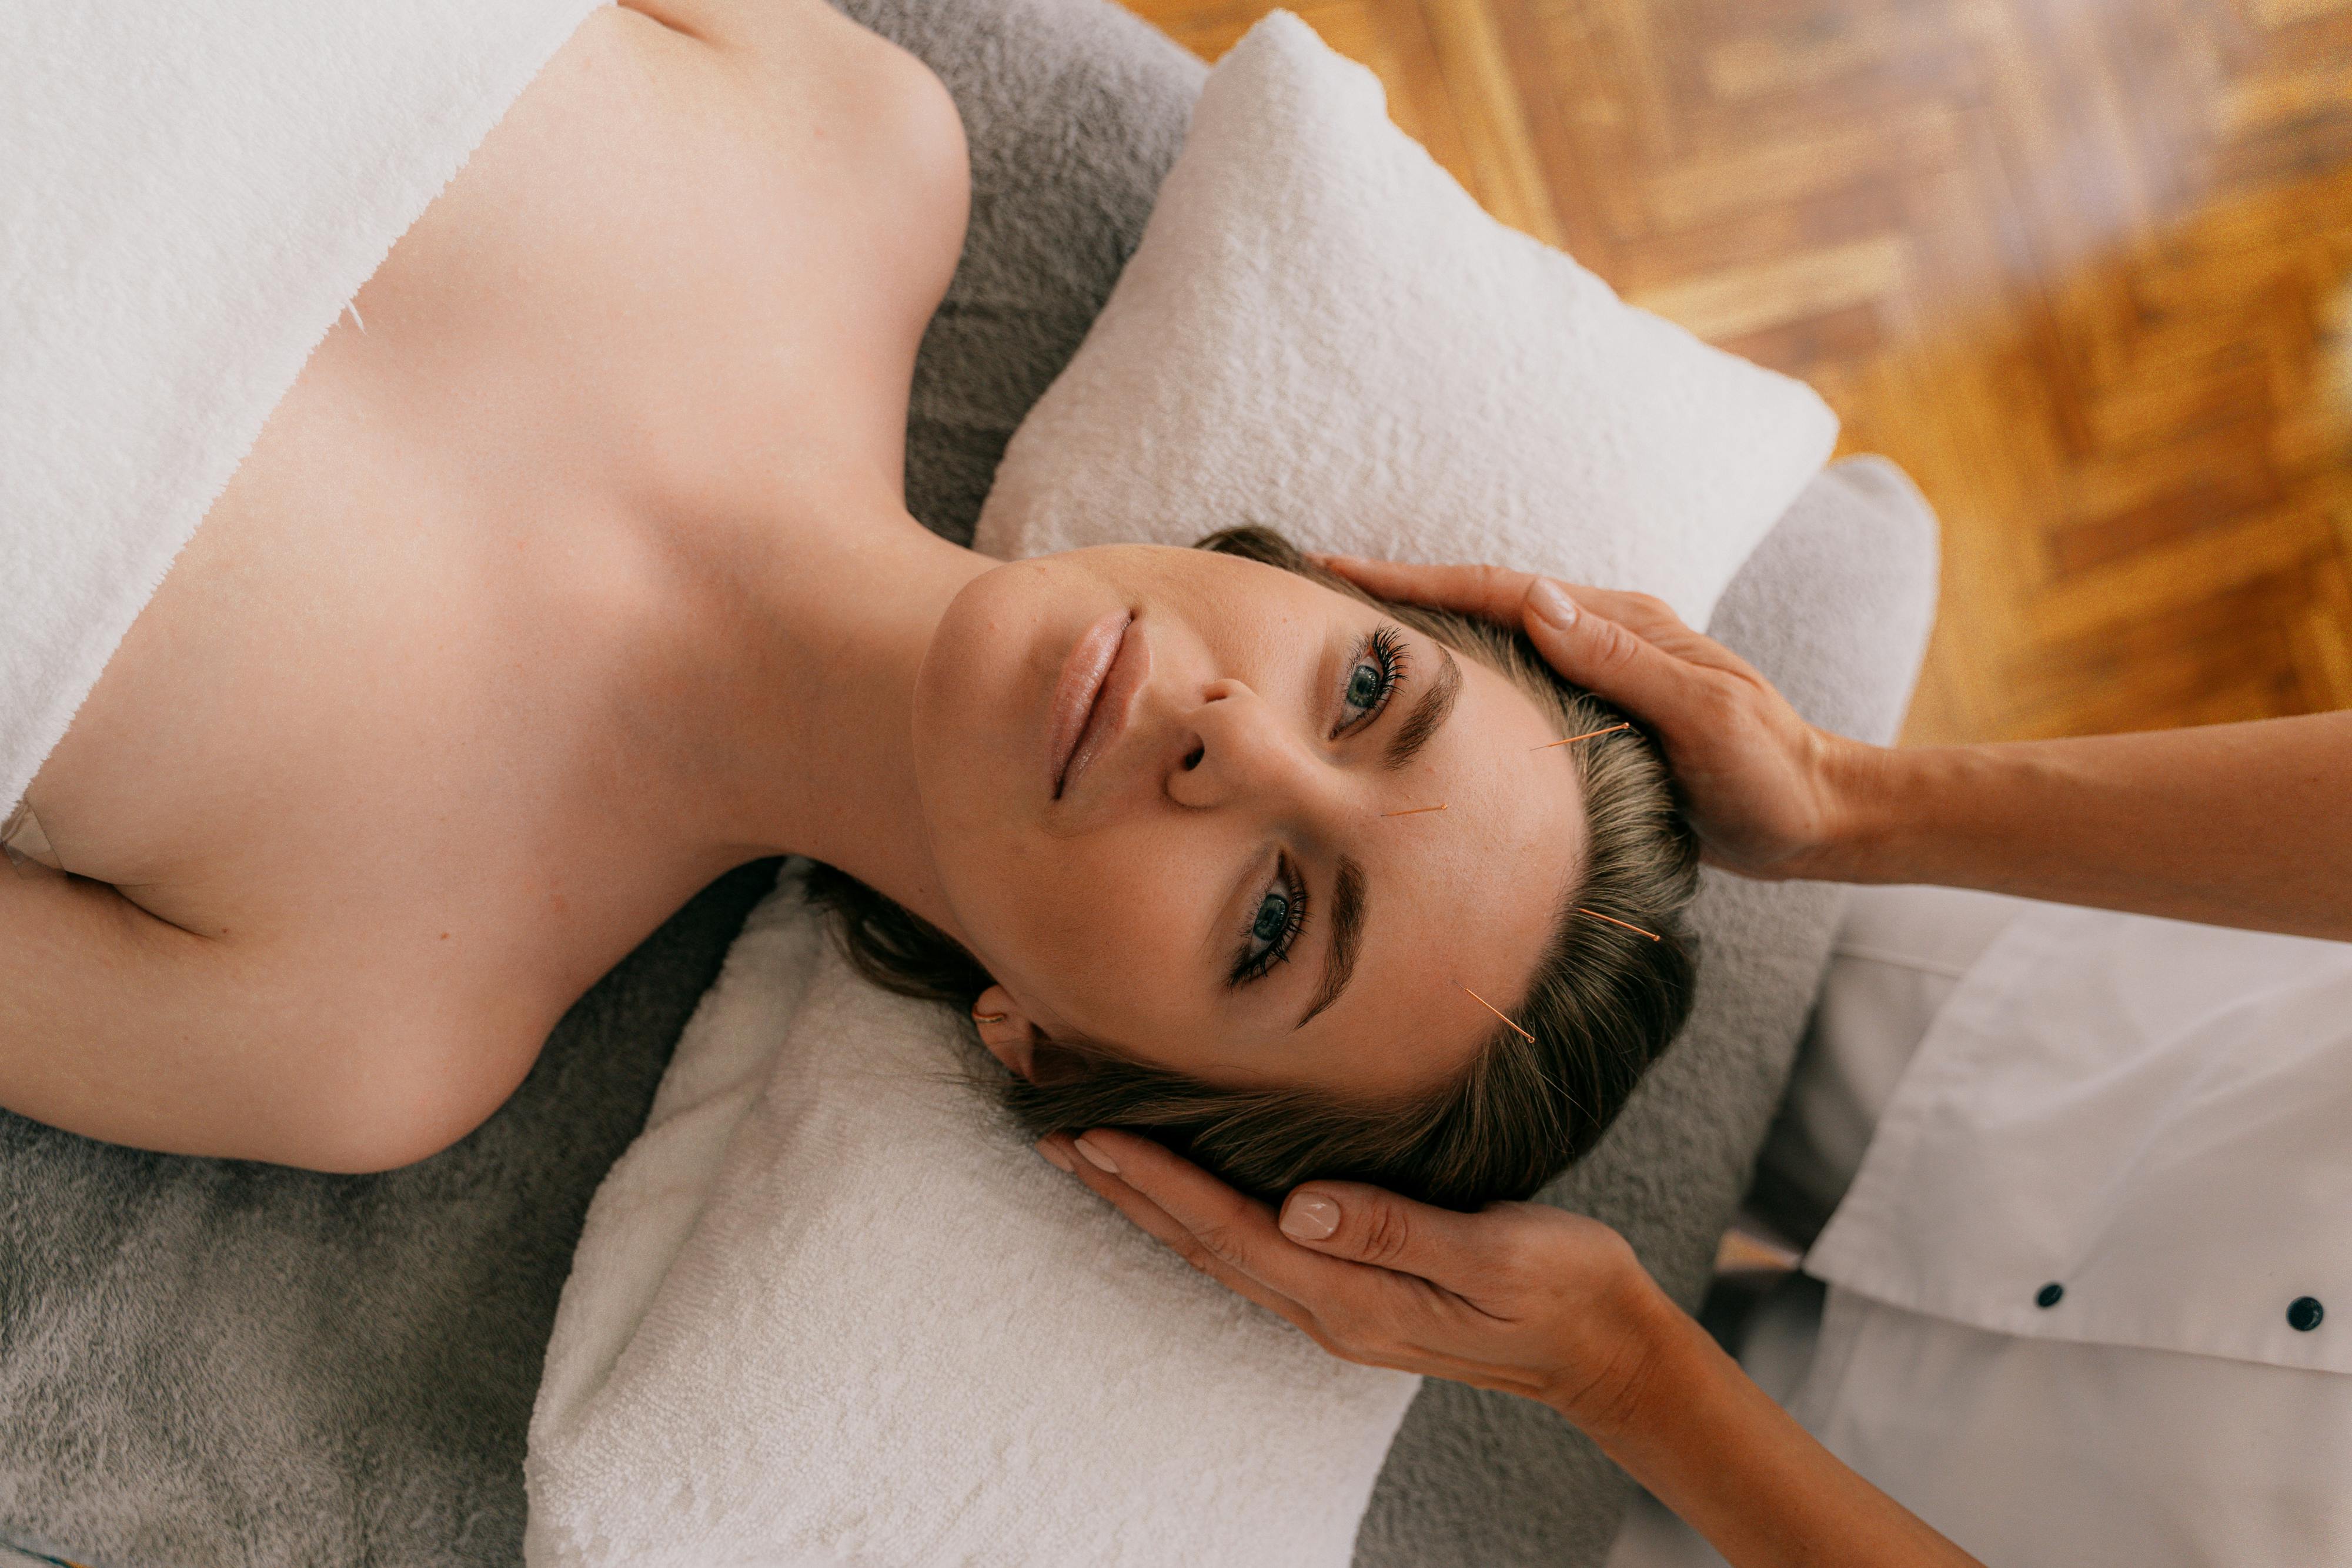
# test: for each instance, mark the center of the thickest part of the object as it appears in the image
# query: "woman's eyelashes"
(1280, 913)
(1274, 923)
(1372, 676)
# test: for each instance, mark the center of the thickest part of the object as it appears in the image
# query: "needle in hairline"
(1496, 1011)
(1615, 921)
(1588, 734)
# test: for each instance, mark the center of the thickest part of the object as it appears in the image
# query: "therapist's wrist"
(1624, 1371)
(1871, 800)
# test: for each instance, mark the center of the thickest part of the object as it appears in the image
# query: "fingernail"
(1055, 1156)
(1310, 1219)
(1552, 603)
(1096, 1158)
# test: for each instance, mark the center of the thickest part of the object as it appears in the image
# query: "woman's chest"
(394, 693)
(373, 730)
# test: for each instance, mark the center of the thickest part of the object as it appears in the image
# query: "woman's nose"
(1241, 751)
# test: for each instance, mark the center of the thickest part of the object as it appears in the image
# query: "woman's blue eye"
(1272, 914)
(1379, 665)
(1281, 912)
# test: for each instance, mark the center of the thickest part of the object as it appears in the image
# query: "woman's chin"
(980, 710)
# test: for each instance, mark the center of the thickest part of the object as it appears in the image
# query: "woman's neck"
(809, 636)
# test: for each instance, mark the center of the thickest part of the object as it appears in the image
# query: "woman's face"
(1163, 790)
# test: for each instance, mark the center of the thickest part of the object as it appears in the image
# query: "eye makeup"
(1381, 662)
(1277, 920)
(1279, 915)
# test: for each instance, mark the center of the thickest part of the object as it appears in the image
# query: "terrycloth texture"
(1084, 1397)
(1072, 112)
(207, 1363)
(1323, 332)
(191, 194)
(987, 1364)
(204, 1363)
(1834, 608)
(1069, 1391)
(210, 1364)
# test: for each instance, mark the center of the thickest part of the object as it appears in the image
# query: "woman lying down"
(582, 573)
(509, 636)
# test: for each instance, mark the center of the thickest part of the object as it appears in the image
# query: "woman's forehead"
(1464, 899)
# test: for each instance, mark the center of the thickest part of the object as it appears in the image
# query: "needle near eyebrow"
(1416, 811)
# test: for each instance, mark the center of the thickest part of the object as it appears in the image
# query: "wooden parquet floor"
(2084, 267)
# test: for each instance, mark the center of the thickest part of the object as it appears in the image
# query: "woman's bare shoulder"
(822, 74)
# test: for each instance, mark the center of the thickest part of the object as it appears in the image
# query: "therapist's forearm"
(1697, 1432)
(2236, 824)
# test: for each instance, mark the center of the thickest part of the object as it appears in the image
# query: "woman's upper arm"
(102, 1008)
(119, 1026)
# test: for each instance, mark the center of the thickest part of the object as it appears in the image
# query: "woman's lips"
(1125, 664)
(1081, 683)
(1131, 667)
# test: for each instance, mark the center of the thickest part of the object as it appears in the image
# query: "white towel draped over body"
(191, 194)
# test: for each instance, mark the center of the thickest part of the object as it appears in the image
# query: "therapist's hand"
(1518, 1297)
(1769, 795)
(1535, 1301)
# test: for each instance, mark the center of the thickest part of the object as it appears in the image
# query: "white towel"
(1322, 333)
(826, 1311)
(192, 190)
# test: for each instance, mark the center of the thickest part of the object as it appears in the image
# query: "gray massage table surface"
(207, 1361)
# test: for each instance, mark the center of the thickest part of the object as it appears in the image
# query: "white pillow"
(1321, 331)
(825, 1311)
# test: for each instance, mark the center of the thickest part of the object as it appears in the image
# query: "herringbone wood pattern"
(2079, 266)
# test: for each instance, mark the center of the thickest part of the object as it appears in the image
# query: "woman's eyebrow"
(1347, 936)
(1428, 713)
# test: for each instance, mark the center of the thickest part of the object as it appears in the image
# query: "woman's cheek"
(1102, 923)
(1069, 905)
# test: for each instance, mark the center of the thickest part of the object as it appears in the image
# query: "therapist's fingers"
(1642, 658)
(1408, 1245)
(1229, 1228)
(1629, 647)
(1495, 592)
(1764, 789)
(1527, 1262)
(1158, 1223)
(1471, 1255)
(1757, 783)
(1372, 1315)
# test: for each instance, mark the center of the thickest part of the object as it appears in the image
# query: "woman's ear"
(1007, 1031)
(1017, 1042)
